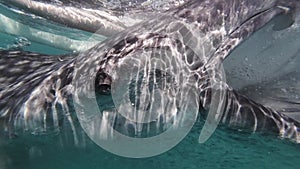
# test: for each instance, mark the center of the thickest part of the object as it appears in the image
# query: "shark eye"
(283, 21)
(102, 83)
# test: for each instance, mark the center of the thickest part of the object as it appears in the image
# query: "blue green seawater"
(226, 149)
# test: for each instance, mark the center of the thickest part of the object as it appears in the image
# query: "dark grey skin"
(35, 88)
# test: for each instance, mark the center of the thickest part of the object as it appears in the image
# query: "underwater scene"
(170, 84)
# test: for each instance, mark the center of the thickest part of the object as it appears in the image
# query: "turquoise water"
(225, 149)
(9, 41)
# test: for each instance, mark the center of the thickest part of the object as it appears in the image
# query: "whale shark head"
(199, 34)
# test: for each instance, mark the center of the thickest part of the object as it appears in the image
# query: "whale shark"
(37, 90)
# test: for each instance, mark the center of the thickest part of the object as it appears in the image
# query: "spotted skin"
(35, 88)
